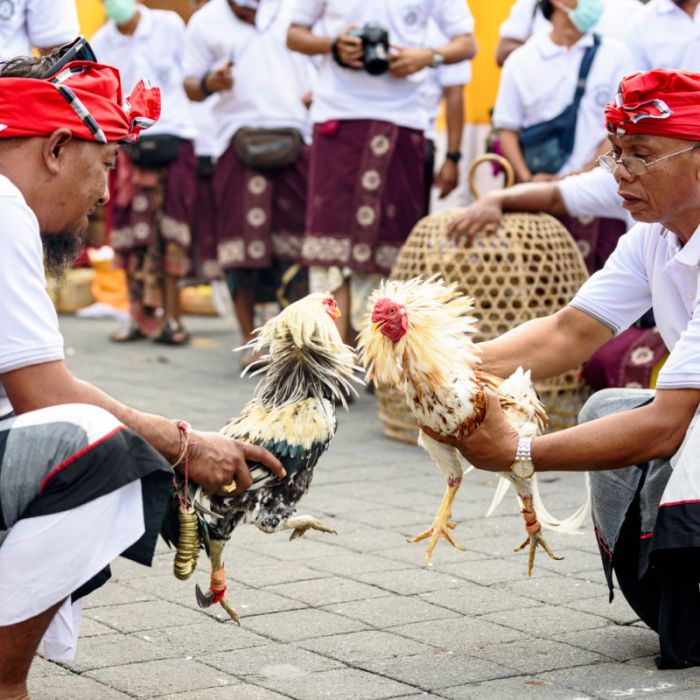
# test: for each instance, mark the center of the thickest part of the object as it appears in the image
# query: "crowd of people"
(286, 149)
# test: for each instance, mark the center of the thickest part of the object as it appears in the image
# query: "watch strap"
(454, 156)
(523, 453)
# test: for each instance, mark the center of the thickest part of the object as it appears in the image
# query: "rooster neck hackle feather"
(306, 356)
(437, 347)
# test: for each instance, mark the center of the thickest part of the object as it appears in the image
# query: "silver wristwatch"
(522, 466)
(438, 59)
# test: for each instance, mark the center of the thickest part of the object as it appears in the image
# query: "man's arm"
(547, 346)
(448, 177)
(405, 61)
(620, 440)
(510, 145)
(214, 459)
(484, 215)
(505, 48)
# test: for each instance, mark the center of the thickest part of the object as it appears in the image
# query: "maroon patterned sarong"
(151, 215)
(596, 238)
(260, 215)
(365, 194)
(626, 361)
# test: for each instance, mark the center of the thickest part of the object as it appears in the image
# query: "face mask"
(586, 14)
(120, 11)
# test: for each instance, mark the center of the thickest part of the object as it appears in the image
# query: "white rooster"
(417, 336)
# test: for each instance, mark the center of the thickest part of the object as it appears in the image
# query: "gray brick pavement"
(355, 615)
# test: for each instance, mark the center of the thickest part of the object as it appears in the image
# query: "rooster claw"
(533, 540)
(204, 600)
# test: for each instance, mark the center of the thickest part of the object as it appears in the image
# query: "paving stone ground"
(355, 615)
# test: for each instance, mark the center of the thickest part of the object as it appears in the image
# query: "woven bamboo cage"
(529, 268)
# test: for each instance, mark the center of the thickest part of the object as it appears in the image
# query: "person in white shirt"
(84, 477)
(366, 177)
(39, 24)
(155, 184)
(446, 83)
(641, 447)
(237, 51)
(539, 81)
(526, 18)
(666, 34)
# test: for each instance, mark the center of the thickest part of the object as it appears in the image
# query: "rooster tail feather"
(570, 525)
(501, 490)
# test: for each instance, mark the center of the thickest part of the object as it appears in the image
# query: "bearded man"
(83, 477)
(642, 446)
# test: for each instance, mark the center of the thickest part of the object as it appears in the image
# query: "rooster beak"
(338, 313)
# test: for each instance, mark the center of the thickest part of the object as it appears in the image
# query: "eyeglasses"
(635, 166)
(78, 50)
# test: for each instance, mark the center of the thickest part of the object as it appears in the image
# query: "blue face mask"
(120, 11)
(586, 14)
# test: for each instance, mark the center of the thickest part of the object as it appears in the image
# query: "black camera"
(375, 43)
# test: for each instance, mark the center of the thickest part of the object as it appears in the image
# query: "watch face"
(523, 470)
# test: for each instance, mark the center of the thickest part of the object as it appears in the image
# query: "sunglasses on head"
(77, 50)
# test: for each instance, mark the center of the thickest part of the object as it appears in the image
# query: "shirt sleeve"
(453, 17)
(455, 74)
(682, 368)
(29, 332)
(593, 193)
(51, 22)
(508, 111)
(520, 21)
(307, 12)
(620, 293)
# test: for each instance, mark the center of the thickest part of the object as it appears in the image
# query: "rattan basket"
(529, 268)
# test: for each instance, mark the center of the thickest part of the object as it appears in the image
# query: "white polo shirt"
(436, 80)
(35, 23)
(342, 93)
(269, 79)
(539, 81)
(593, 193)
(29, 332)
(649, 268)
(523, 20)
(664, 36)
(155, 53)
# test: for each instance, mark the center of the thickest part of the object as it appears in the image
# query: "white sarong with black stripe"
(77, 489)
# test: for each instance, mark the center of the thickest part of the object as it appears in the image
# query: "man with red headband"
(83, 478)
(642, 446)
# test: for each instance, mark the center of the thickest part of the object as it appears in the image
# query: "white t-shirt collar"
(548, 49)
(688, 254)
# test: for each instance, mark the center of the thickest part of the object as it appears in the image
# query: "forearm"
(193, 88)
(510, 145)
(547, 346)
(620, 440)
(531, 196)
(301, 39)
(460, 48)
(505, 48)
(52, 384)
(454, 116)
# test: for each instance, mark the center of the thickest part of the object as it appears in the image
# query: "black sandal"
(172, 333)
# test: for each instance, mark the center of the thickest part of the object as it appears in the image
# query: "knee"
(597, 405)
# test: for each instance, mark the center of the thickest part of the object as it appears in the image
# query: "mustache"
(61, 250)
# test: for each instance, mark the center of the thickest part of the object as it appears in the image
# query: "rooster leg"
(217, 583)
(442, 523)
(300, 524)
(534, 534)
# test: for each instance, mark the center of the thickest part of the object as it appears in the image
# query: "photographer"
(366, 177)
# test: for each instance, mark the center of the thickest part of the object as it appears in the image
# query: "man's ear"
(54, 149)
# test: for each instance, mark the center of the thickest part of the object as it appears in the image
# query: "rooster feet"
(439, 531)
(300, 524)
(533, 540)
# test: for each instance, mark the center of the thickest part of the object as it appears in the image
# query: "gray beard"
(60, 251)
